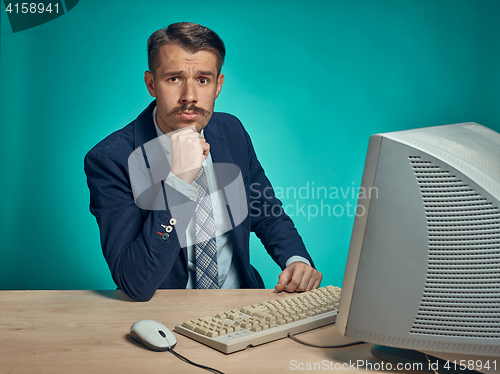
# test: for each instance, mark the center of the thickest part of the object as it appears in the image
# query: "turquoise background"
(311, 81)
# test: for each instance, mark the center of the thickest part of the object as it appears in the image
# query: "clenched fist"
(188, 150)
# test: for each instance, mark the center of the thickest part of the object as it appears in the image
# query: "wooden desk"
(87, 332)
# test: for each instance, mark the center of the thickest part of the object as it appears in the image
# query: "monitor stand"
(415, 360)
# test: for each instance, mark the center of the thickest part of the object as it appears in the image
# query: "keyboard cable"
(323, 346)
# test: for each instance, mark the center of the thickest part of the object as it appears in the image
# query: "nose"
(188, 95)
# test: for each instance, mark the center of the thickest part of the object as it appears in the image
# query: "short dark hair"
(190, 36)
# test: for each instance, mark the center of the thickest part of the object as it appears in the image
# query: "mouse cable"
(323, 346)
(182, 358)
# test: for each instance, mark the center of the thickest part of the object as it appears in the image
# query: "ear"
(149, 79)
(220, 82)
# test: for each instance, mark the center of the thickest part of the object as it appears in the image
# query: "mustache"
(190, 108)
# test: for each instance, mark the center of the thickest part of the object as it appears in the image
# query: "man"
(183, 245)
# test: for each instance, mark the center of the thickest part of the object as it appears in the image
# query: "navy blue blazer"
(141, 260)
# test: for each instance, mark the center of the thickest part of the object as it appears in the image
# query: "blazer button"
(168, 229)
(165, 236)
(173, 221)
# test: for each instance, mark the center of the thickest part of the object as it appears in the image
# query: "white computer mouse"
(153, 335)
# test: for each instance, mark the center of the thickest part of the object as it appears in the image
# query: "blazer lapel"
(148, 151)
(219, 151)
(144, 127)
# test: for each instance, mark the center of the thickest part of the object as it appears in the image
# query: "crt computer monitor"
(423, 270)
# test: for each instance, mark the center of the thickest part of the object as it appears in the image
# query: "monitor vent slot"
(462, 291)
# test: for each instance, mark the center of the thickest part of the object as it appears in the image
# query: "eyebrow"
(177, 72)
(180, 72)
(205, 72)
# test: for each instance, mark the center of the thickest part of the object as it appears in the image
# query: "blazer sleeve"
(136, 250)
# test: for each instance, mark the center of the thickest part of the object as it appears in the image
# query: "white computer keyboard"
(261, 323)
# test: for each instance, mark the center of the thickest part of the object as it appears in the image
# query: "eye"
(203, 81)
(173, 79)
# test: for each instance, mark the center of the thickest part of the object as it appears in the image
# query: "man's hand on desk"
(298, 276)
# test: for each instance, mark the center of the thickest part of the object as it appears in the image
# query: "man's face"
(185, 86)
